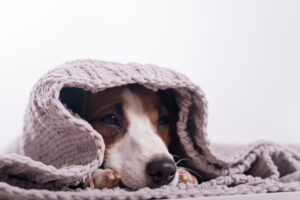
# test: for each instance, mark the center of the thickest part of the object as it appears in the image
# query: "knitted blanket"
(58, 150)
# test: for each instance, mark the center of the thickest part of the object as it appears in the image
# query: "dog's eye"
(110, 119)
(163, 120)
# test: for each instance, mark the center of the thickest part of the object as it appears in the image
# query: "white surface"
(268, 196)
(244, 54)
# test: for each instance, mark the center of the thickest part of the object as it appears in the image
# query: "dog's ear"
(75, 99)
(168, 99)
(174, 147)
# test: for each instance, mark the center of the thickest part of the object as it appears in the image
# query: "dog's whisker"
(108, 151)
(182, 159)
(175, 156)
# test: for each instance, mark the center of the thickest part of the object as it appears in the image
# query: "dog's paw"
(104, 178)
(186, 177)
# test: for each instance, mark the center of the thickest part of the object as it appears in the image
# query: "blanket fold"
(58, 150)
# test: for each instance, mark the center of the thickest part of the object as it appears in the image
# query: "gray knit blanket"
(58, 150)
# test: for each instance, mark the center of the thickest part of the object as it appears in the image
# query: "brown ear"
(75, 99)
(174, 147)
(168, 99)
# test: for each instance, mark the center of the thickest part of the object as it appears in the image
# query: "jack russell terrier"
(135, 125)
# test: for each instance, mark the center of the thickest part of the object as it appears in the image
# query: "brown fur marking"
(96, 105)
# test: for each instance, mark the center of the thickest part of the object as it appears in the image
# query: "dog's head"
(135, 124)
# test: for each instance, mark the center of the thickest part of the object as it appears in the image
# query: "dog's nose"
(161, 171)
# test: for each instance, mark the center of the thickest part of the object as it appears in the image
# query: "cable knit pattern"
(58, 149)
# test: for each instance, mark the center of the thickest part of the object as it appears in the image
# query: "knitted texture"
(58, 150)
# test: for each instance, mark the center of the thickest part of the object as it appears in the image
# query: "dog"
(136, 128)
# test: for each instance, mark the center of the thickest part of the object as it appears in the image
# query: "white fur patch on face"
(140, 144)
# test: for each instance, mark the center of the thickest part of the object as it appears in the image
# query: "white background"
(244, 54)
